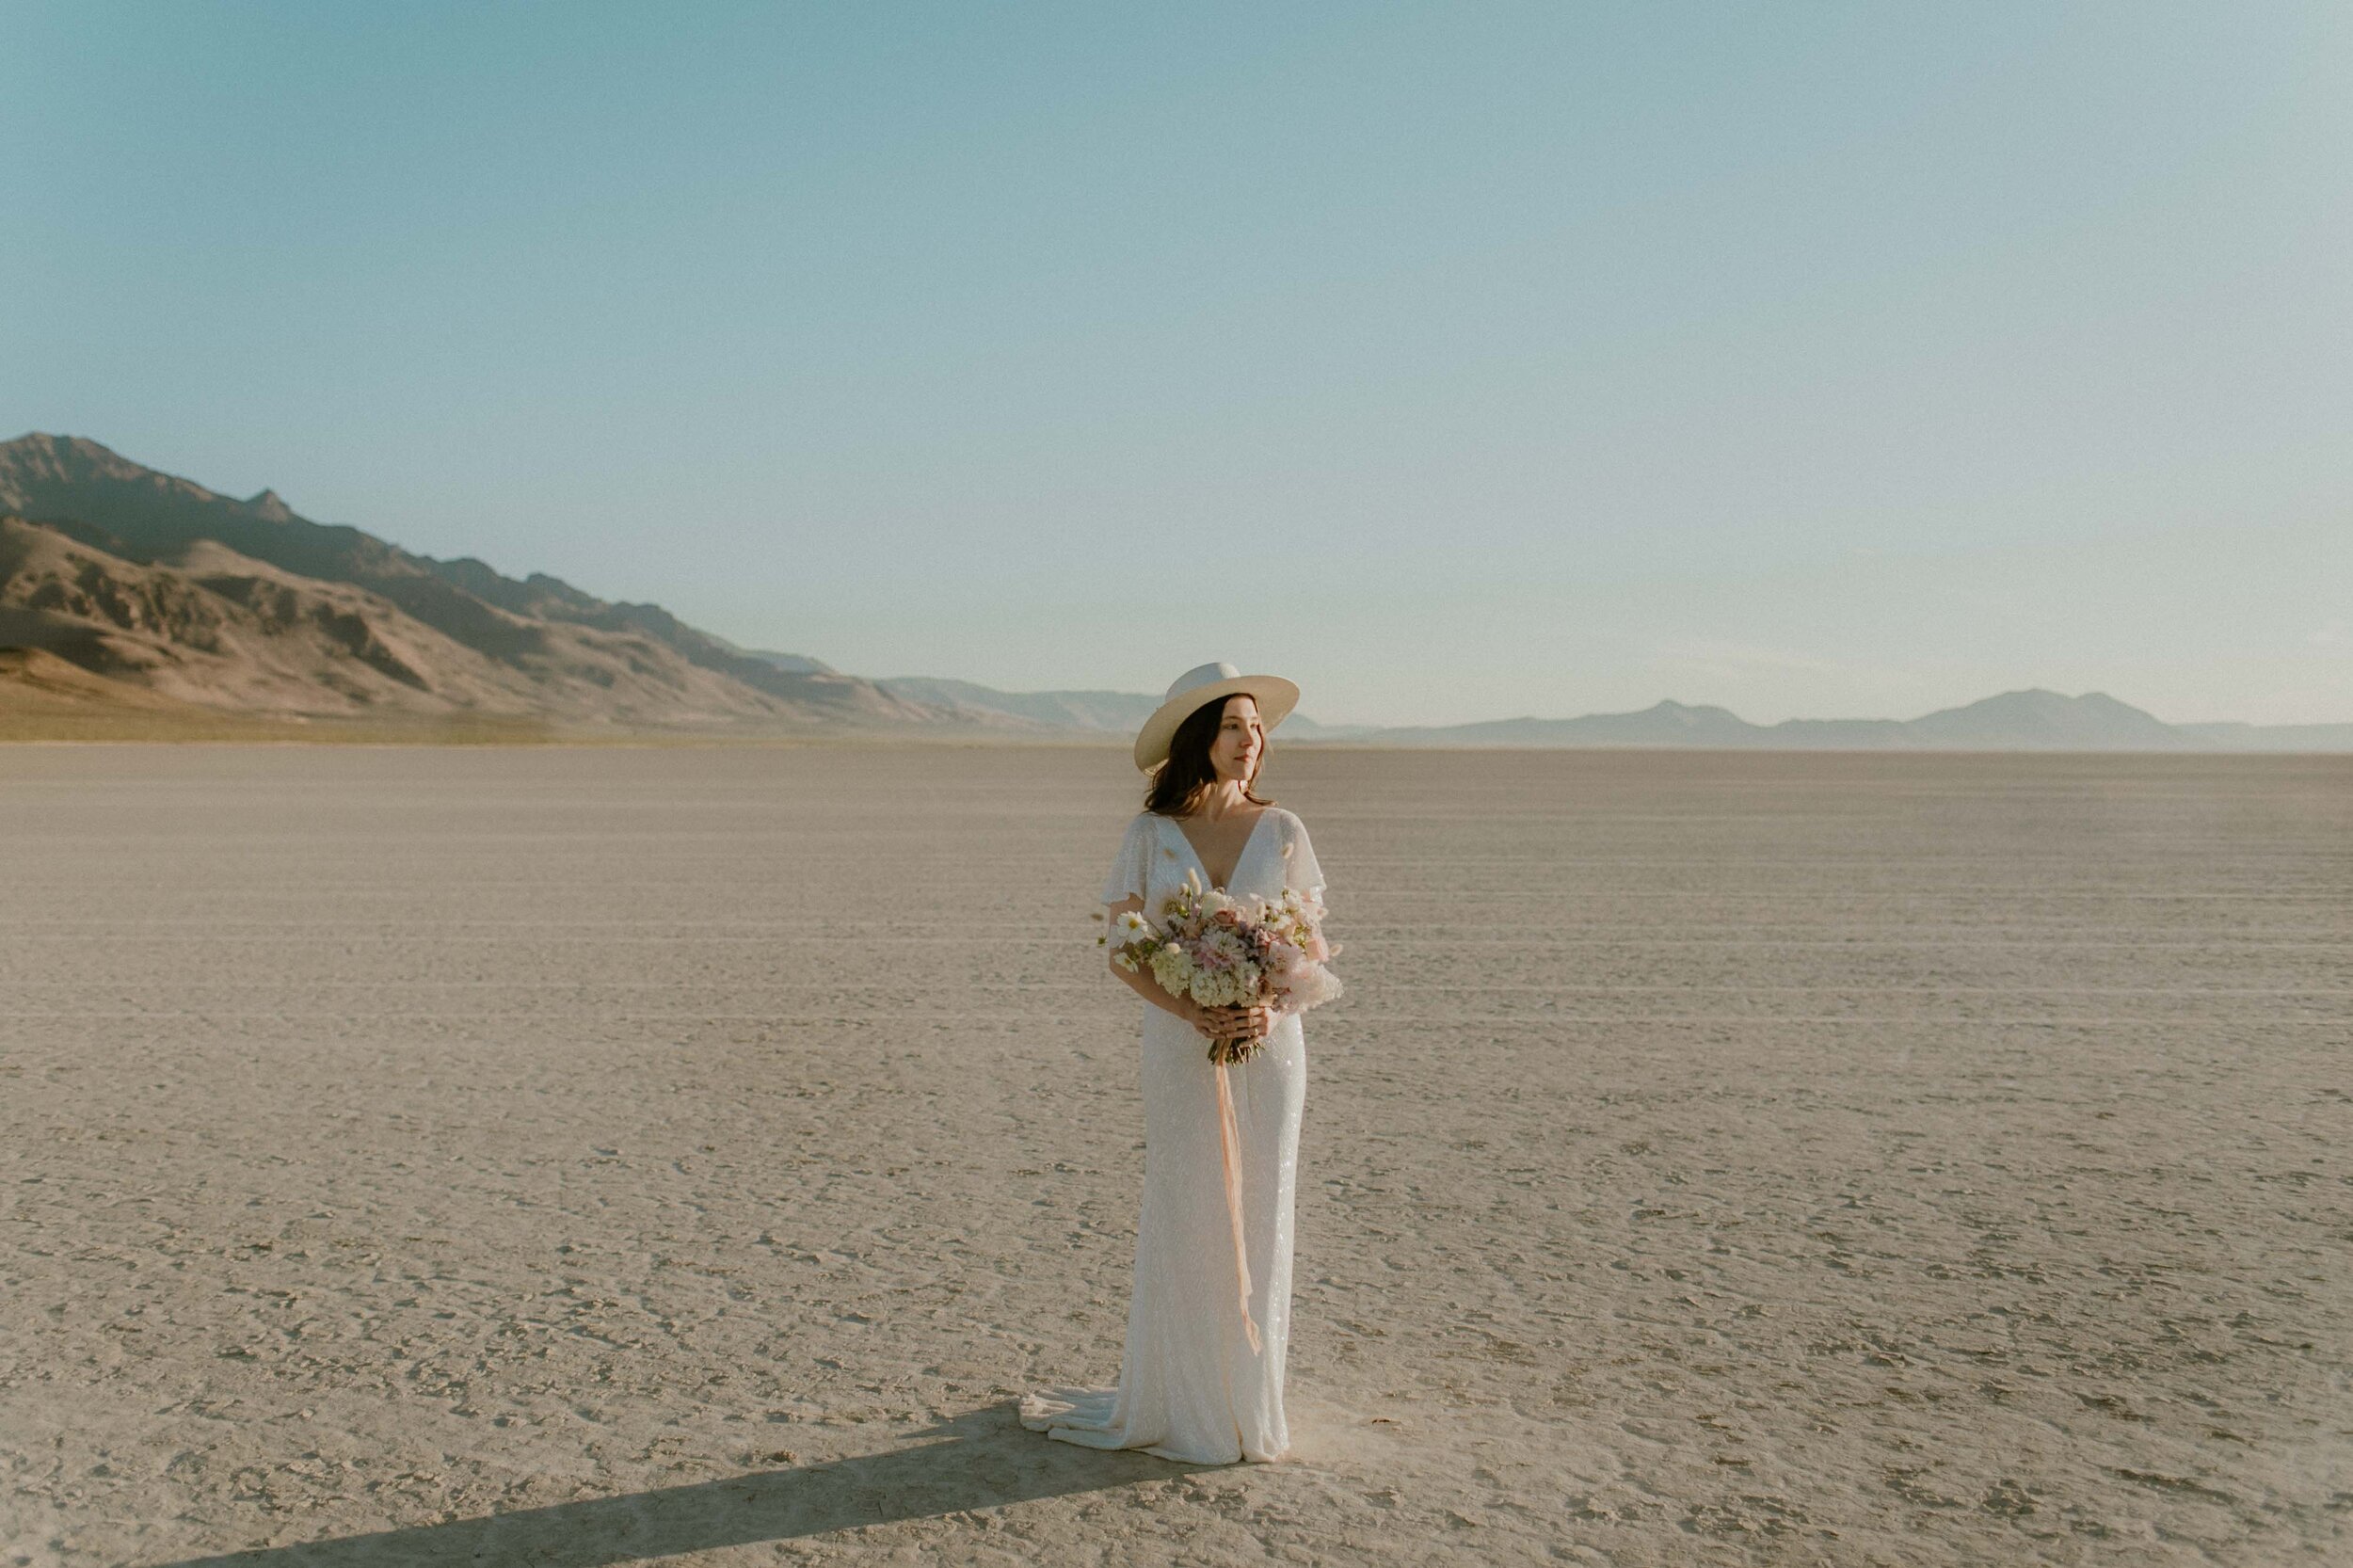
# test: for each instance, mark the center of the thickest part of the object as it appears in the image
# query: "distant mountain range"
(2034, 720)
(1085, 713)
(119, 584)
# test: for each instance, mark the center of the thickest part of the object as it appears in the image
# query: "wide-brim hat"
(1274, 695)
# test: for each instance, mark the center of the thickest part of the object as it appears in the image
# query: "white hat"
(1208, 683)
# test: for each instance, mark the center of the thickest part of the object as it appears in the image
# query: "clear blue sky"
(1461, 361)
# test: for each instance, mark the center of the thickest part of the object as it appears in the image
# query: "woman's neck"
(1221, 798)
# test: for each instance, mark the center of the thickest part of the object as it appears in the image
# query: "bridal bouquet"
(1228, 952)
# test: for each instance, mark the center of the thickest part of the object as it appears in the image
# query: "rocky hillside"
(152, 579)
(207, 625)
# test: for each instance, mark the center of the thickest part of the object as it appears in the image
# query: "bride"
(1209, 1318)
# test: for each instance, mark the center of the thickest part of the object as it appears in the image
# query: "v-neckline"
(1241, 855)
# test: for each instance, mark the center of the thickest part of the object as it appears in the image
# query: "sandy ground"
(578, 1156)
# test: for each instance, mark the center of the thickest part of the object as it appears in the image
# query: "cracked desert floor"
(594, 1155)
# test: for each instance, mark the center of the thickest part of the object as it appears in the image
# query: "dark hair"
(1176, 788)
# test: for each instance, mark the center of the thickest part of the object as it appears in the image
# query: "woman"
(1202, 1380)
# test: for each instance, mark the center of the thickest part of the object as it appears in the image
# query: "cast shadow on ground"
(981, 1459)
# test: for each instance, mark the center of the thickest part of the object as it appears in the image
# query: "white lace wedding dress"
(1191, 1386)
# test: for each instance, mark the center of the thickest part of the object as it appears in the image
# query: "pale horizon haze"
(1459, 362)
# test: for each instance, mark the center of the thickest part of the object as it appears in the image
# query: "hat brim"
(1274, 695)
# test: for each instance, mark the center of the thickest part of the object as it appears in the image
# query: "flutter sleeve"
(1300, 870)
(1128, 868)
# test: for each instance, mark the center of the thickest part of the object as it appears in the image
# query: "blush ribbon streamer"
(1229, 1145)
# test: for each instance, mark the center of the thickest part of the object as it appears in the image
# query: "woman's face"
(1241, 739)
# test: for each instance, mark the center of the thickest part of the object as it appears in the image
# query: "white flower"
(1173, 968)
(1229, 988)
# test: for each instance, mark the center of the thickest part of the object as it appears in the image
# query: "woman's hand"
(1237, 1023)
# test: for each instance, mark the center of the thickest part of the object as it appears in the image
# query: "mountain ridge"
(208, 625)
(152, 581)
(551, 643)
(2032, 718)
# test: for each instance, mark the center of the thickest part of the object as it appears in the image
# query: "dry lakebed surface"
(607, 1154)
